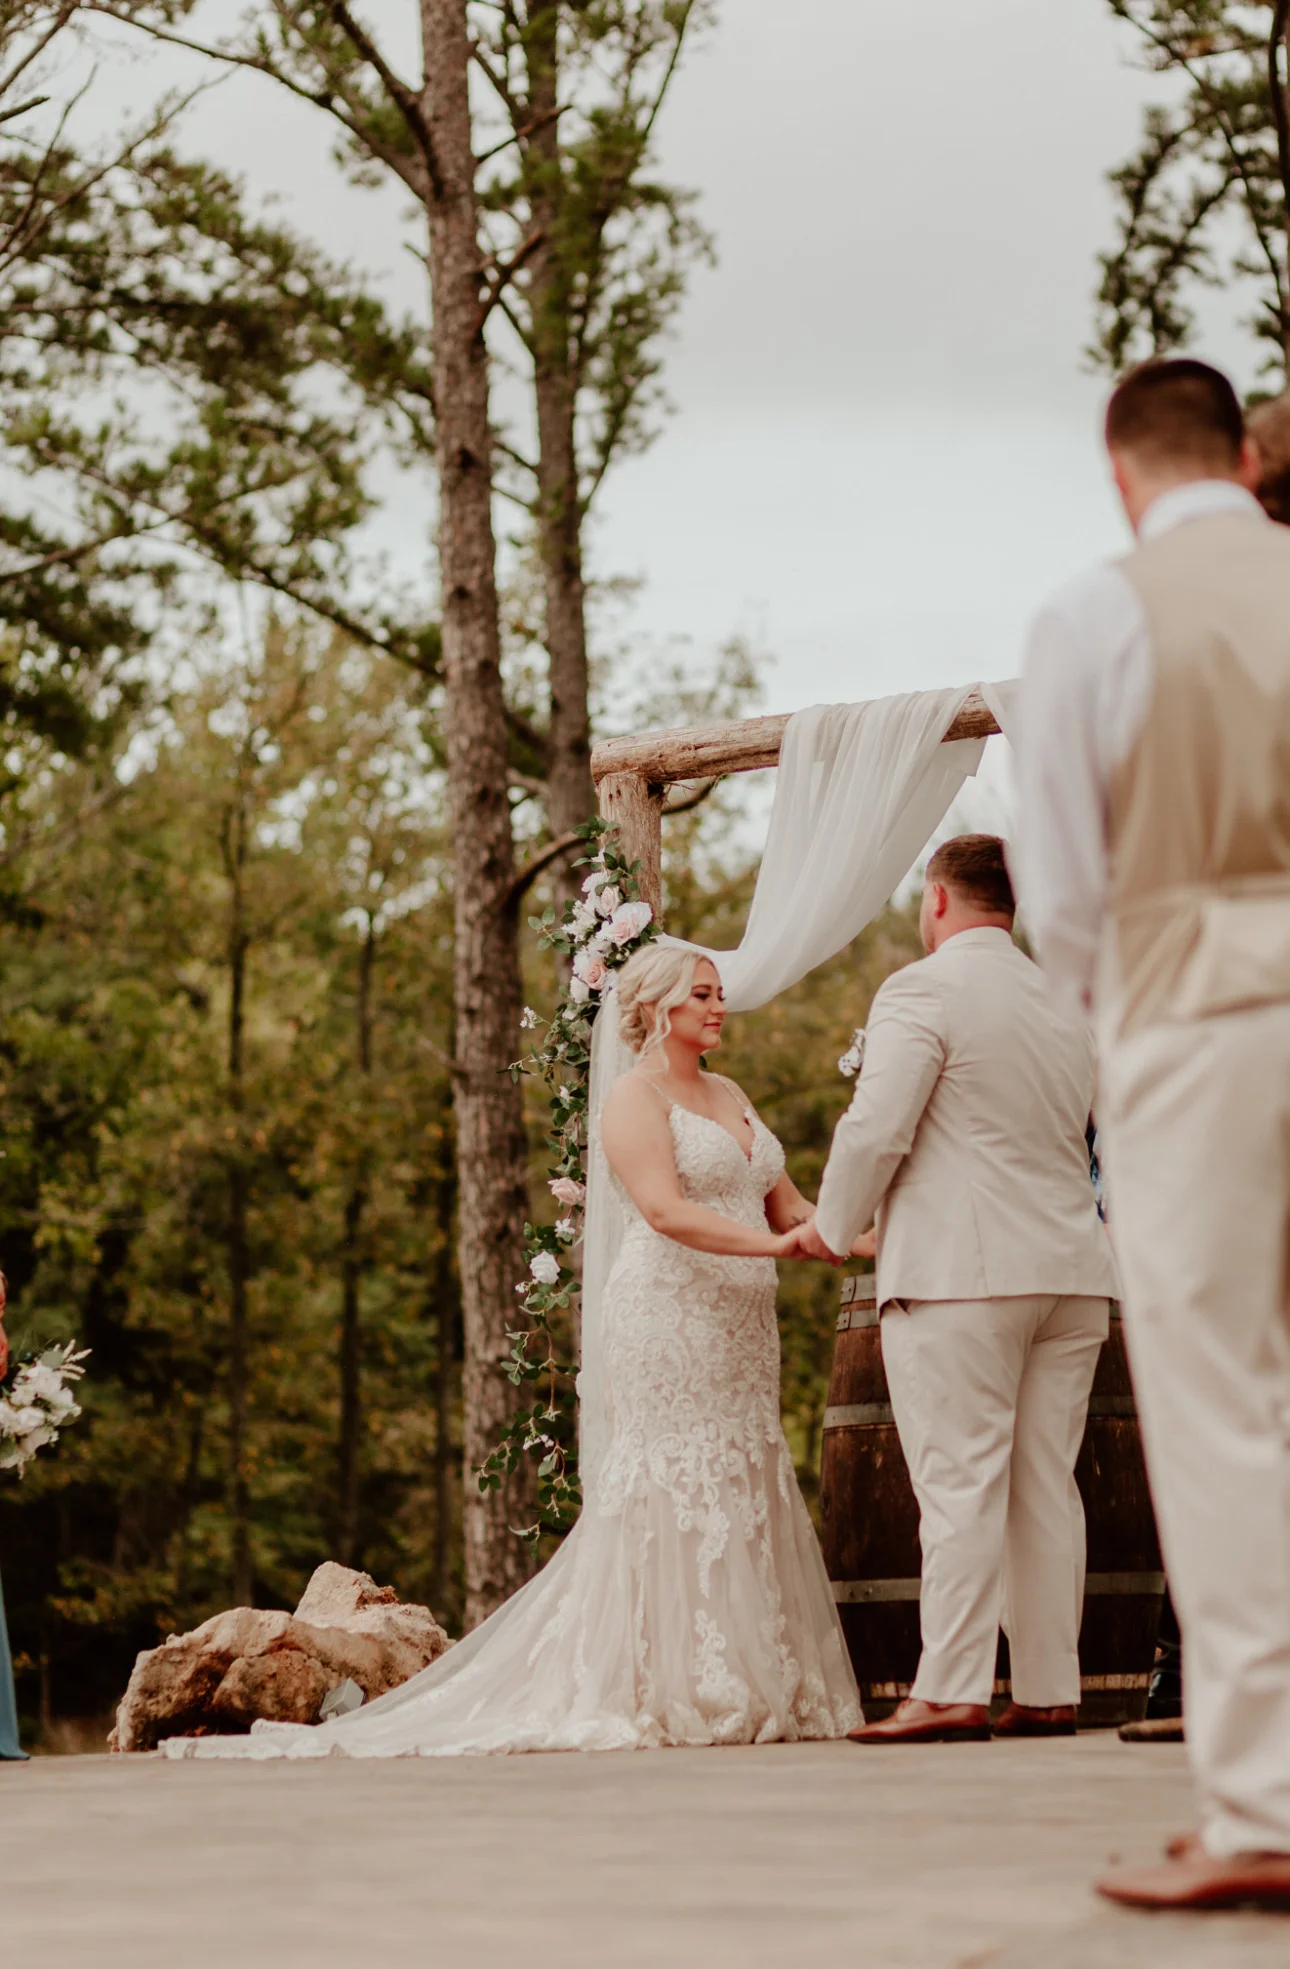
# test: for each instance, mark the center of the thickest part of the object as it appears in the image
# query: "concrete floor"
(975, 1856)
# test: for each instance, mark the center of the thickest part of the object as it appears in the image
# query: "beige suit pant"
(990, 1398)
(1196, 1126)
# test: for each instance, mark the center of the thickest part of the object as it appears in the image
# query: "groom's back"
(994, 1197)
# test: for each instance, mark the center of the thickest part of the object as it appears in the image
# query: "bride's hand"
(789, 1245)
(866, 1245)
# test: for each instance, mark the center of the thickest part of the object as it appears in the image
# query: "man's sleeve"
(904, 1054)
(1059, 854)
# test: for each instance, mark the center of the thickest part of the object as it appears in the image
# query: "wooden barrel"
(870, 1529)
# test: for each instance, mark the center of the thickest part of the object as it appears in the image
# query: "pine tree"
(1206, 198)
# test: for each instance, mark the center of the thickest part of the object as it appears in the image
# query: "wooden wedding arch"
(863, 1479)
(633, 774)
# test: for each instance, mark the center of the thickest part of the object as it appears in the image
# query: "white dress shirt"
(1086, 690)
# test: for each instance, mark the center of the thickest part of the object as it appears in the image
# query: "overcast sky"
(884, 449)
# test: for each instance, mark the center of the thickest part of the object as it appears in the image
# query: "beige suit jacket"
(965, 1140)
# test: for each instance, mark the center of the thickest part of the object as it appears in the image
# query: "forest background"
(272, 818)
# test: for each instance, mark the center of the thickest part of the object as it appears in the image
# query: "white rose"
(545, 1268)
(38, 1383)
(8, 1420)
(628, 920)
(608, 900)
(25, 1421)
(578, 991)
(582, 920)
(596, 880)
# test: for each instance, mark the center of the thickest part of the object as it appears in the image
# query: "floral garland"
(598, 933)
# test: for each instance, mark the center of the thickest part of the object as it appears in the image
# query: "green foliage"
(1203, 202)
(579, 89)
(120, 1131)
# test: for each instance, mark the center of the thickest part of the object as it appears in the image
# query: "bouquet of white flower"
(38, 1403)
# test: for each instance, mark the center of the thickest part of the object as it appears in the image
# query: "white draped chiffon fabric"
(689, 1605)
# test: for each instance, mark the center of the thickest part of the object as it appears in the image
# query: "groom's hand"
(812, 1245)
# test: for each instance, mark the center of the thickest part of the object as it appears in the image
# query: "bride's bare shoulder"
(634, 1094)
(634, 1121)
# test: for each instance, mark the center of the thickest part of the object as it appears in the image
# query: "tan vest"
(1199, 919)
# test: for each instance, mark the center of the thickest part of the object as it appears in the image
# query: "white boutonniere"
(853, 1059)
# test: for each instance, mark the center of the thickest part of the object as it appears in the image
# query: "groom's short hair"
(975, 866)
(1176, 410)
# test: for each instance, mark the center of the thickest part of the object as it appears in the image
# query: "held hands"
(812, 1245)
(803, 1241)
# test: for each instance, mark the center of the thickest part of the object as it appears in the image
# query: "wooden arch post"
(633, 775)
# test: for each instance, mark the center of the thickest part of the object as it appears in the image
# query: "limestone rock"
(250, 1663)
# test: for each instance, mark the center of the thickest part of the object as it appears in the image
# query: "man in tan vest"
(1153, 856)
(966, 1139)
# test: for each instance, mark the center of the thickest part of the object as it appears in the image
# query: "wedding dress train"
(689, 1604)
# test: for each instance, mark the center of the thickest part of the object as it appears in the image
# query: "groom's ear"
(940, 898)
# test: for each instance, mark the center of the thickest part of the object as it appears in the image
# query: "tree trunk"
(486, 973)
(239, 1257)
(570, 795)
(353, 1266)
(446, 1302)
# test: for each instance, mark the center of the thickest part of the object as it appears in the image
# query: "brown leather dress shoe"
(1019, 1720)
(1195, 1881)
(916, 1721)
(1153, 1729)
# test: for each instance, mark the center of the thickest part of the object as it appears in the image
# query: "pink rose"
(628, 920)
(591, 967)
(567, 1192)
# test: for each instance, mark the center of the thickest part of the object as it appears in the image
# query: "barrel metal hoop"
(852, 1318)
(858, 1415)
(1090, 1685)
(859, 1592)
(859, 1289)
(1098, 1586)
(868, 1415)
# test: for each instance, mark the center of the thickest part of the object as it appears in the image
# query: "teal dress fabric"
(9, 1745)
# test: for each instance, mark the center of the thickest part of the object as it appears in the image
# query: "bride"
(689, 1604)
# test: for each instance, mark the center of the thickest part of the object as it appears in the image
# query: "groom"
(966, 1136)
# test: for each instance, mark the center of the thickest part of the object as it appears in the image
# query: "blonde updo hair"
(657, 979)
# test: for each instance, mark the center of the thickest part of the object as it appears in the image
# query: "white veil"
(860, 789)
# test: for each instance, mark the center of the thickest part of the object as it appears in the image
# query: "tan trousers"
(990, 1398)
(1196, 1125)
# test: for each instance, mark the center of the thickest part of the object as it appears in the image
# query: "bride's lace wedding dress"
(689, 1605)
